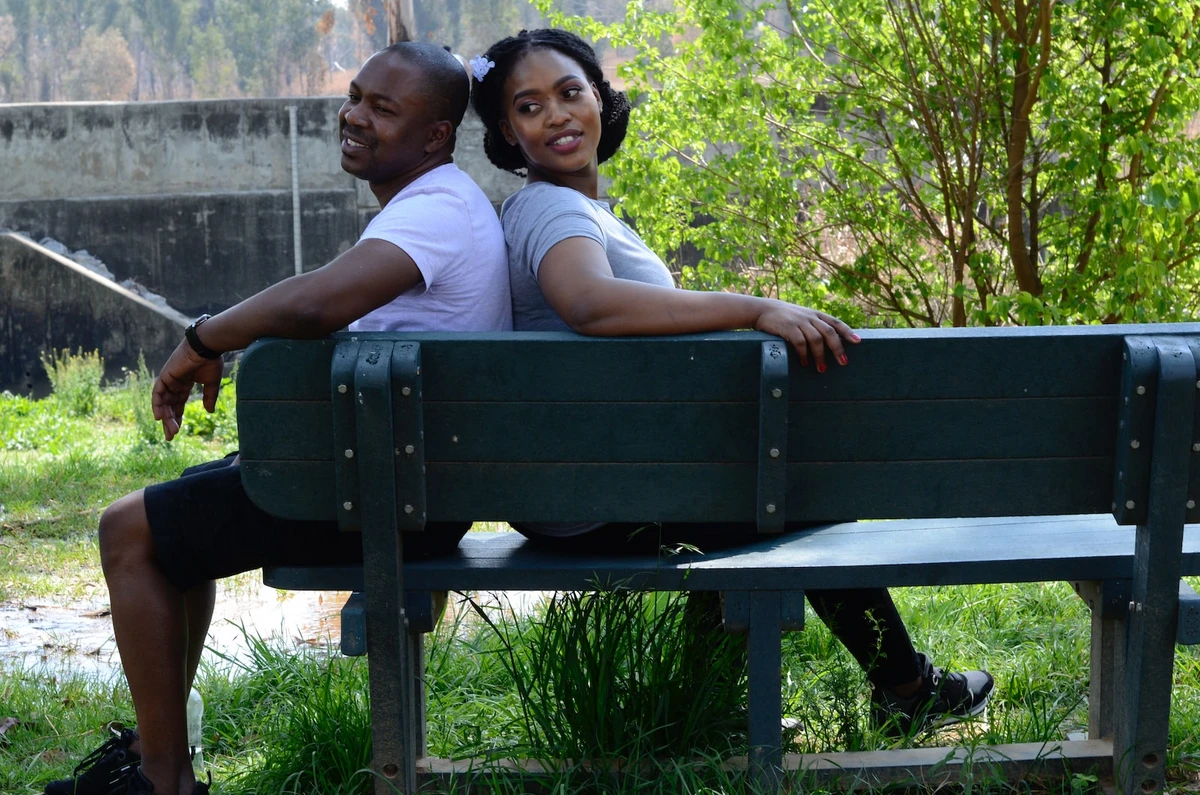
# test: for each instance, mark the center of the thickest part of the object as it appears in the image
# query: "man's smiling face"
(384, 124)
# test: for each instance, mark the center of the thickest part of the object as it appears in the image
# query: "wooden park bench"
(1074, 453)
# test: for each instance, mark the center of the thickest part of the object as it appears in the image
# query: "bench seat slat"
(550, 492)
(897, 553)
(714, 432)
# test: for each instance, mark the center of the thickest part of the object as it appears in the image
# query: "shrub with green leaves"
(140, 385)
(32, 425)
(221, 424)
(920, 162)
(76, 379)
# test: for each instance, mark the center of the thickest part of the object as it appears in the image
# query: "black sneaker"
(944, 698)
(104, 771)
(138, 784)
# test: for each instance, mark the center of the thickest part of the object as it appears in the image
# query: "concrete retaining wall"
(193, 199)
(50, 302)
(204, 252)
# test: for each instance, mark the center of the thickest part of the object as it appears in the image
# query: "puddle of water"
(79, 639)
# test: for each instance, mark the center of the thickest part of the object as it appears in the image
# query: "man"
(433, 259)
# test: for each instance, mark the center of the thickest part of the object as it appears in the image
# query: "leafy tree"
(922, 162)
(10, 66)
(211, 65)
(471, 26)
(102, 68)
(271, 41)
(164, 28)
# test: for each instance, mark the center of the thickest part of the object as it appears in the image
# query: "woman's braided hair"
(486, 94)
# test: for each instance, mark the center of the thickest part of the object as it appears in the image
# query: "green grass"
(627, 680)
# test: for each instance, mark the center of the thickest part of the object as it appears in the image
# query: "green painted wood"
(772, 437)
(863, 554)
(934, 769)
(289, 369)
(1009, 362)
(1144, 707)
(342, 444)
(354, 624)
(1136, 407)
(713, 432)
(393, 737)
(711, 492)
(1193, 490)
(288, 429)
(1189, 616)
(408, 441)
(764, 683)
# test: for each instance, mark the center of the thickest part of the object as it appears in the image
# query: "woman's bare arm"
(579, 285)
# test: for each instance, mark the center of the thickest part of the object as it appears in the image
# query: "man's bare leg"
(151, 627)
(198, 606)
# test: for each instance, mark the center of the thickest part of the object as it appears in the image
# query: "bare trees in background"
(56, 50)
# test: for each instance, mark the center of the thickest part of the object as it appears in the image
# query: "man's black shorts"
(205, 528)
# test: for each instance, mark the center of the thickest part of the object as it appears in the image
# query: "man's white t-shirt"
(450, 229)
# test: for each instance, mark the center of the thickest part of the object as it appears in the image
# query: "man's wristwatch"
(193, 339)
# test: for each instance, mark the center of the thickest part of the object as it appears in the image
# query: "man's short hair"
(447, 89)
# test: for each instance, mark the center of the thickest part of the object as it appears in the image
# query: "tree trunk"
(401, 20)
(1027, 277)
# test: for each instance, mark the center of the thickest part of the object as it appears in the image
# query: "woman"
(550, 114)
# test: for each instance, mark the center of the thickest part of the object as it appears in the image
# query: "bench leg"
(1108, 602)
(390, 662)
(764, 652)
(416, 655)
(1143, 706)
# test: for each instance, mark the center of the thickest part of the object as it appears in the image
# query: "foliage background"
(919, 162)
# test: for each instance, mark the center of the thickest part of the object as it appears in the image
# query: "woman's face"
(552, 113)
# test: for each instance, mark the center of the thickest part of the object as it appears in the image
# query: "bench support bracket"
(1143, 708)
(390, 654)
(772, 437)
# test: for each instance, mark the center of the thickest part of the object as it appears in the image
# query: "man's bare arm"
(316, 303)
(306, 306)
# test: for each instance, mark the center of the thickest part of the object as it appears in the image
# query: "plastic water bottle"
(195, 721)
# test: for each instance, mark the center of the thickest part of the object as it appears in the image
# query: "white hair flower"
(480, 66)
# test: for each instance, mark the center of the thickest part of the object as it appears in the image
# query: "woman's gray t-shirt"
(541, 215)
(536, 218)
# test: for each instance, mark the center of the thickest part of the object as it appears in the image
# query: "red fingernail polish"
(820, 367)
(803, 362)
(856, 338)
(844, 359)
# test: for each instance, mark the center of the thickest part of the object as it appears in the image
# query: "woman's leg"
(867, 623)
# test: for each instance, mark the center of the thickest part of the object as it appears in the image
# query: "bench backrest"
(721, 427)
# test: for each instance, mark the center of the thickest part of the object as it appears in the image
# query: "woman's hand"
(808, 331)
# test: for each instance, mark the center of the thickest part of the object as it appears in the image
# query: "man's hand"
(808, 331)
(182, 371)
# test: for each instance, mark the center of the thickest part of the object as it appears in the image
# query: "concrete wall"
(82, 149)
(50, 302)
(193, 199)
(204, 252)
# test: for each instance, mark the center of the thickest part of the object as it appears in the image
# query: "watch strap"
(193, 340)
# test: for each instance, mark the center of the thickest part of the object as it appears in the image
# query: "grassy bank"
(500, 685)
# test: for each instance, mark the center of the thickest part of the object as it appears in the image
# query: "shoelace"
(99, 753)
(121, 736)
